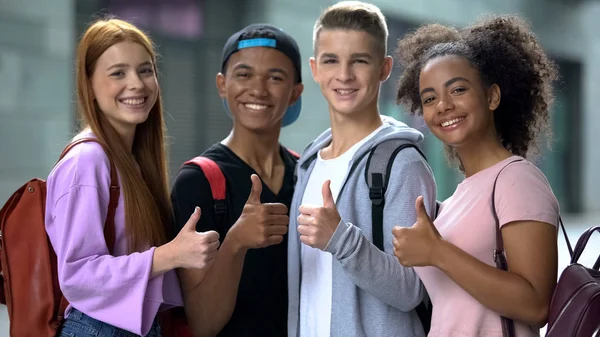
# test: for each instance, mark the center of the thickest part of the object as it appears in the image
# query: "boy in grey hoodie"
(340, 283)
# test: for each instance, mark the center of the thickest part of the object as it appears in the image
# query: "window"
(176, 18)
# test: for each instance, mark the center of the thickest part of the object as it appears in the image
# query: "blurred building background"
(38, 109)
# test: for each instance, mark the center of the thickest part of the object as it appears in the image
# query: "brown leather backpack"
(28, 272)
(575, 306)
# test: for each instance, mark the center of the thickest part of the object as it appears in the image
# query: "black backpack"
(379, 165)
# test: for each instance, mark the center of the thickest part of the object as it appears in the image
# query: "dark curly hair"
(506, 53)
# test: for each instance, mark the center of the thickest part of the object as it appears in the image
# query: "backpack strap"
(293, 153)
(109, 225)
(377, 175)
(499, 257)
(296, 157)
(216, 180)
(508, 325)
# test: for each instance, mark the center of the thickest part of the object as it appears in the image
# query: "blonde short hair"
(353, 15)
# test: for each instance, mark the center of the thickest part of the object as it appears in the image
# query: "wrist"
(439, 252)
(232, 244)
(331, 245)
(168, 256)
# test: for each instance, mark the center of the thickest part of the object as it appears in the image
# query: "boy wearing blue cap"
(245, 291)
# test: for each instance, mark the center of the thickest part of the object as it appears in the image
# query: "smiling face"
(124, 85)
(457, 108)
(259, 85)
(349, 68)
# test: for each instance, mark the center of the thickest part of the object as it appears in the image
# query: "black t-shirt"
(261, 307)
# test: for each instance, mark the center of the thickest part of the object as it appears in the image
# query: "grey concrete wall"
(589, 47)
(36, 76)
(565, 31)
(36, 85)
(37, 115)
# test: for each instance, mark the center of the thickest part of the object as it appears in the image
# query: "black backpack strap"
(377, 174)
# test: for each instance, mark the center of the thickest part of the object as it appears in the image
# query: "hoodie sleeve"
(376, 272)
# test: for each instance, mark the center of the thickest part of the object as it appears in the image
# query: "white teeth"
(256, 106)
(452, 121)
(133, 101)
(344, 92)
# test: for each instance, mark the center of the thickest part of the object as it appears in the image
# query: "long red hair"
(146, 195)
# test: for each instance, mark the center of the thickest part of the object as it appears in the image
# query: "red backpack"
(28, 272)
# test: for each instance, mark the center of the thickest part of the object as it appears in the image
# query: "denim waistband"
(79, 324)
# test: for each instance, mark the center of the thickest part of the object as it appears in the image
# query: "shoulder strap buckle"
(376, 190)
(220, 207)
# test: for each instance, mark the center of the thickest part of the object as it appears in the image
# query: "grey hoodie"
(372, 294)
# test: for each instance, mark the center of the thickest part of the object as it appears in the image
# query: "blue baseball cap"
(277, 39)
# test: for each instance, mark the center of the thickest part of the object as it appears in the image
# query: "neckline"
(286, 173)
(492, 168)
(354, 148)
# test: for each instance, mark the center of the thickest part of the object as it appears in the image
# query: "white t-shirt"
(315, 289)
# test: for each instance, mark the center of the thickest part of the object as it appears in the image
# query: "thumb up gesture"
(318, 223)
(196, 250)
(260, 225)
(414, 246)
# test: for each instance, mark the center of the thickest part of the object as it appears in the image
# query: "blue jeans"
(79, 324)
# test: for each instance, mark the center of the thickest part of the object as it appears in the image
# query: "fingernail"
(196, 209)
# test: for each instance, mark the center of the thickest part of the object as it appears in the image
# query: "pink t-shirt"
(465, 219)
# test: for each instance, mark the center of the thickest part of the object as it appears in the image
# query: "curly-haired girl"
(484, 91)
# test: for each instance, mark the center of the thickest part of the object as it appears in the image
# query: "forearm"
(163, 260)
(210, 303)
(506, 293)
(375, 271)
